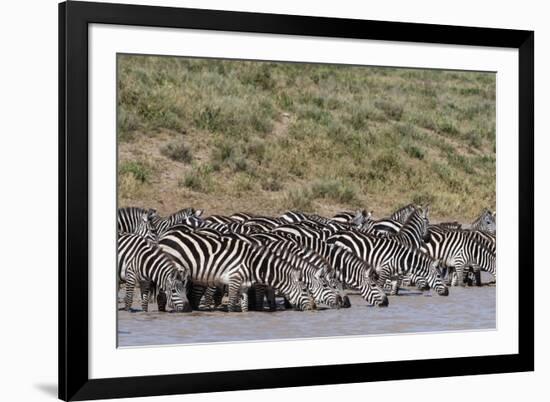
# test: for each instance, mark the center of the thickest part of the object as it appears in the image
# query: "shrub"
(414, 151)
(448, 127)
(178, 152)
(386, 163)
(139, 170)
(392, 110)
(199, 179)
(333, 189)
(300, 199)
(271, 183)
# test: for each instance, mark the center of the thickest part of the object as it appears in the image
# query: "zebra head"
(176, 291)
(361, 217)
(188, 216)
(486, 222)
(325, 291)
(145, 226)
(370, 291)
(334, 283)
(299, 295)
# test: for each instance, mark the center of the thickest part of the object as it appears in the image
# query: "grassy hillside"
(264, 137)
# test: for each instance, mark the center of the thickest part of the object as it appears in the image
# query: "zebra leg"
(451, 276)
(260, 293)
(394, 287)
(443, 272)
(129, 297)
(271, 301)
(145, 287)
(469, 277)
(209, 297)
(218, 295)
(460, 270)
(196, 295)
(244, 300)
(252, 298)
(234, 293)
(477, 275)
(162, 300)
(287, 304)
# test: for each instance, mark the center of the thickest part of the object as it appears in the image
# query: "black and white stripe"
(391, 259)
(236, 263)
(187, 216)
(140, 261)
(137, 221)
(461, 251)
(485, 222)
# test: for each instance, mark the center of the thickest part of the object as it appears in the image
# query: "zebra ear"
(198, 212)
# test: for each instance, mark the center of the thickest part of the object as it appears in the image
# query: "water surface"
(412, 311)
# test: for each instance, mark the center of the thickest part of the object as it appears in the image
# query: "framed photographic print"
(258, 200)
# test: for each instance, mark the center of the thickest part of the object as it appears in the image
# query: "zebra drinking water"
(143, 262)
(390, 258)
(460, 251)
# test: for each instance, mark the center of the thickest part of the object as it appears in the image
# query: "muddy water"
(411, 311)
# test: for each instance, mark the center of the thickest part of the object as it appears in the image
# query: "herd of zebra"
(187, 261)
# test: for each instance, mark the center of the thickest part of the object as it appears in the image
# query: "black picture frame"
(74, 18)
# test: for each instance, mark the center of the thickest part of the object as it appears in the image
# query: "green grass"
(140, 171)
(271, 136)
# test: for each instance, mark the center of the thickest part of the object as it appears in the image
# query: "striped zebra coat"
(235, 263)
(460, 251)
(140, 261)
(391, 259)
(316, 272)
(485, 222)
(350, 270)
(137, 221)
(187, 216)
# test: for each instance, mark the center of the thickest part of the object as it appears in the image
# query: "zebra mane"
(403, 213)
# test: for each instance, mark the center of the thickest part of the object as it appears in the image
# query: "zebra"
(187, 216)
(233, 262)
(382, 227)
(357, 218)
(136, 220)
(414, 229)
(460, 250)
(143, 262)
(487, 239)
(391, 258)
(211, 261)
(243, 216)
(325, 287)
(485, 222)
(219, 219)
(350, 270)
(320, 222)
(303, 229)
(318, 274)
(450, 225)
(402, 214)
(286, 273)
(412, 234)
